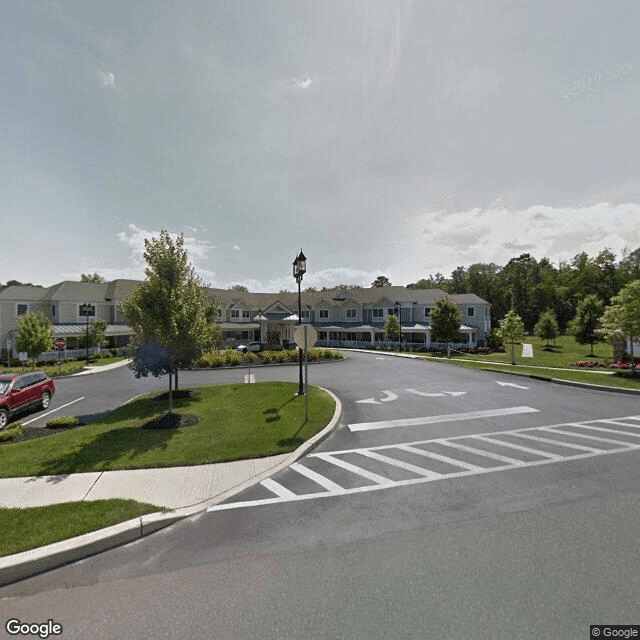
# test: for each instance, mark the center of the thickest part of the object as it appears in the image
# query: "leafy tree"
(35, 335)
(392, 328)
(92, 277)
(587, 321)
(511, 329)
(96, 331)
(622, 317)
(381, 281)
(169, 312)
(239, 287)
(445, 320)
(547, 326)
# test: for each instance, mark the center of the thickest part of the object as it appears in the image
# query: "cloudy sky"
(380, 136)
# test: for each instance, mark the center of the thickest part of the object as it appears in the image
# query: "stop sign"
(60, 343)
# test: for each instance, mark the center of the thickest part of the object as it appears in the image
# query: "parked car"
(21, 391)
(250, 346)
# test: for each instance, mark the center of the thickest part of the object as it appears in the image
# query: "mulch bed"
(171, 420)
(29, 433)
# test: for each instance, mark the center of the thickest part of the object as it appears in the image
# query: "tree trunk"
(513, 353)
(170, 393)
(176, 384)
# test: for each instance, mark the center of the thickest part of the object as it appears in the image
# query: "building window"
(427, 312)
(351, 314)
(306, 314)
(471, 312)
(324, 314)
(235, 313)
(53, 310)
(378, 313)
(246, 313)
(22, 308)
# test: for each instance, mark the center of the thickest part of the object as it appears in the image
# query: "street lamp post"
(299, 269)
(86, 309)
(399, 310)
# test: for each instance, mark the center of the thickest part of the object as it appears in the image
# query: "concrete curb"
(23, 565)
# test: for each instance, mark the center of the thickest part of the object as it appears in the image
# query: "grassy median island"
(24, 529)
(559, 361)
(235, 422)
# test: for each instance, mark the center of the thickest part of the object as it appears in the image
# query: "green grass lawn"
(64, 369)
(551, 364)
(23, 529)
(237, 421)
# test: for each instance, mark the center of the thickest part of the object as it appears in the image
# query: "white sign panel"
(527, 350)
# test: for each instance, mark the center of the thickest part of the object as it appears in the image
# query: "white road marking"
(277, 488)
(622, 433)
(399, 463)
(511, 384)
(374, 477)
(329, 485)
(42, 415)
(437, 456)
(436, 395)
(581, 435)
(520, 447)
(563, 444)
(389, 396)
(380, 483)
(447, 417)
(481, 452)
(368, 401)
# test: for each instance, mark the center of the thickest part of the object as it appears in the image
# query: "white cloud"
(108, 79)
(302, 83)
(440, 241)
(134, 238)
(236, 247)
(317, 279)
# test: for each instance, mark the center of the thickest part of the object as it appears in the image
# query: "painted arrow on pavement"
(437, 395)
(389, 396)
(510, 384)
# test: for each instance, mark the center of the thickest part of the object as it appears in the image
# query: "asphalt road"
(509, 509)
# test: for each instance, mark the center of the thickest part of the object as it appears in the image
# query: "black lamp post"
(399, 310)
(86, 310)
(299, 269)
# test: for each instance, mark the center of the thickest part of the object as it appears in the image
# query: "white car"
(250, 346)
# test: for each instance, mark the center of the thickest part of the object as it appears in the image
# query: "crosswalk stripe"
(277, 488)
(437, 456)
(480, 452)
(563, 444)
(329, 485)
(557, 431)
(399, 463)
(623, 424)
(520, 447)
(282, 494)
(592, 428)
(374, 477)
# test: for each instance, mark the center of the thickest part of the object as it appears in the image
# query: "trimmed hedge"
(63, 422)
(232, 357)
(11, 432)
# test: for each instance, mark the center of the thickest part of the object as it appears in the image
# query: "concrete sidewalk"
(185, 490)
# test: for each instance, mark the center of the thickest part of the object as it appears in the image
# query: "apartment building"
(348, 318)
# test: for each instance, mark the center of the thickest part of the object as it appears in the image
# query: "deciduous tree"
(445, 320)
(35, 335)
(511, 330)
(584, 326)
(547, 326)
(172, 318)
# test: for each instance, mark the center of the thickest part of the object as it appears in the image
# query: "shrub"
(113, 351)
(11, 432)
(63, 422)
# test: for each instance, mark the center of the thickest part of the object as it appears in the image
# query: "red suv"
(19, 391)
